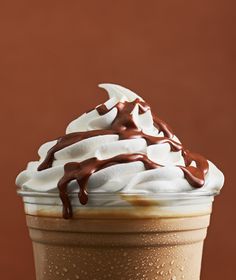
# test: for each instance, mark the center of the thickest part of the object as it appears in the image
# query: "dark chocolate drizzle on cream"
(82, 171)
(125, 127)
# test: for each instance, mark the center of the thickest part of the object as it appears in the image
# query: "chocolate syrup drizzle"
(125, 127)
(82, 171)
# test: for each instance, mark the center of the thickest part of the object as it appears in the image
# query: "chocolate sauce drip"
(194, 175)
(82, 171)
(125, 127)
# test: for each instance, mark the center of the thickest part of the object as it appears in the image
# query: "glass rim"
(97, 195)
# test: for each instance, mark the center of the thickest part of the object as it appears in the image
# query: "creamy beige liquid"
(118, 249)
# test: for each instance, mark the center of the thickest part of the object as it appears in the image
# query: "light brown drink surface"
(118, 249)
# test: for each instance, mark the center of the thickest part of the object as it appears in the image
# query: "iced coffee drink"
(118, 197)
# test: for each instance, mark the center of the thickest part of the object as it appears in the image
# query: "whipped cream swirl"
(118, 147)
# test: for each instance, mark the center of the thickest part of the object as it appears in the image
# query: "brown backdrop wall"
(177, 54)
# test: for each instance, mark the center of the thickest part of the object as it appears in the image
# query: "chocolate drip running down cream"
(82, 171)
(125, 127)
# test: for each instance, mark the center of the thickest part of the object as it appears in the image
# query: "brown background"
(177, 54)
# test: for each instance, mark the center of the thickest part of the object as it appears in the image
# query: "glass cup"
(119, 236)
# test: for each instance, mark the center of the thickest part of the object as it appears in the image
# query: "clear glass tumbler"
(119, 236)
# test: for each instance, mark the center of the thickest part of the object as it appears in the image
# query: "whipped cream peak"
(118, 147)
(120, 93)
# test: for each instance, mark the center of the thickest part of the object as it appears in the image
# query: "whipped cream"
(128, 177)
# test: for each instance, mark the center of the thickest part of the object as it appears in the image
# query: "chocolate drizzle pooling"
(125, 127)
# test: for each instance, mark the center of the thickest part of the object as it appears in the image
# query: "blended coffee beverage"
(118, 197)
